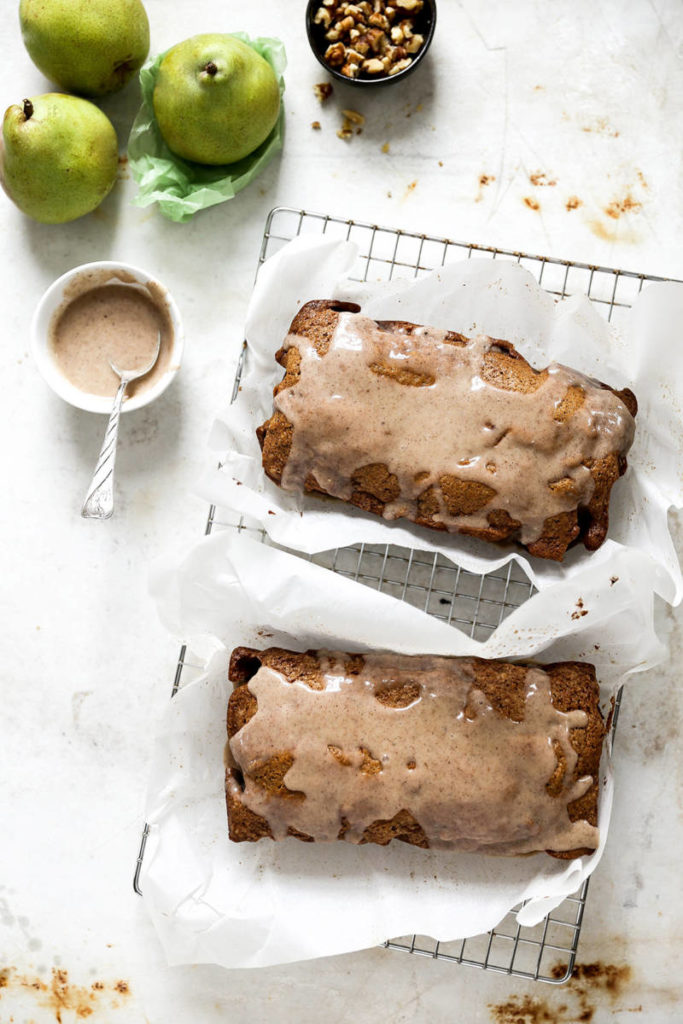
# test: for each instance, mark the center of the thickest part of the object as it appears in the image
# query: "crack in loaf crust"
(572, 687)
(467, 505)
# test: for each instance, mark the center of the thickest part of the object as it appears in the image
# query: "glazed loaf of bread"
(453, 753)
(453, 433)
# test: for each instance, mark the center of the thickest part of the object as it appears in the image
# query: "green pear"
(59, 157)
(216, 99)
(91, 47)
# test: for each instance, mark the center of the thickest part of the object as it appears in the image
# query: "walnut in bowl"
(370, 42)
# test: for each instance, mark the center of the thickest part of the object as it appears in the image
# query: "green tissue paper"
(182, 188)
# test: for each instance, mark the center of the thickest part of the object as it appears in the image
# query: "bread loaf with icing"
(454, 753)
(453, 433)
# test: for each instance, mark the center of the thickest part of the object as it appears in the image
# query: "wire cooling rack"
(473, 603)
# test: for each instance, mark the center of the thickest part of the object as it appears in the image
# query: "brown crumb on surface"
(540, 178)
(625, 205)
(385, 147)
(323, 91)
(573, 203)
(411, 187)
(641, 179)
(486, 179)
(613, 580)
(533, 204)
(440, 163)
(315, 125)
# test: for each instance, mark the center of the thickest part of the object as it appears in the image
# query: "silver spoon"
(99, 503)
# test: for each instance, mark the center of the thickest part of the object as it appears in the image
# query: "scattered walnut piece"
(354, 117)
(323, 91)
(381, 31)
(315, 125)
(352, 121)
(346, 130)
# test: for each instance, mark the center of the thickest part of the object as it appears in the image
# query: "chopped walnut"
(376, 39)
(322, 17)
(354, 117)
(353, 121)
(323, 91)
(346, 130)
(335, 55)
(401, 65)
(381, 31)
(374, 66)
(379, 21)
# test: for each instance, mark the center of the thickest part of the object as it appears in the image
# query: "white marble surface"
(589, 95)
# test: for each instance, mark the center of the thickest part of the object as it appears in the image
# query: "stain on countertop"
(590, 987)
(63, 999)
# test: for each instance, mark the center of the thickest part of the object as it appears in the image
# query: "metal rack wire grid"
(473, 603)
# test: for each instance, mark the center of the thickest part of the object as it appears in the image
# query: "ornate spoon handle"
(99, 503)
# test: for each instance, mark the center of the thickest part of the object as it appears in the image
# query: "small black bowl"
(425, 23)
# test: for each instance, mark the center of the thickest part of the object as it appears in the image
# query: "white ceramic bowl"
(47, 365)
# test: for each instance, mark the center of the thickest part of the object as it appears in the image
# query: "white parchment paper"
(504, 300)
(248, 905)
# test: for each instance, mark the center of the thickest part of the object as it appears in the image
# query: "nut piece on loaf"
(453, 753)
(453, 433)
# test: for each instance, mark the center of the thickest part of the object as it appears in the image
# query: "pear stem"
(211, 69)
(28, 109)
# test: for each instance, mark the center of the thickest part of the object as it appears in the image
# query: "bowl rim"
(47, 305)
(379, 80)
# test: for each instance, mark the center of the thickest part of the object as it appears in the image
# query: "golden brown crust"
(573, 685)
(374, 486)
